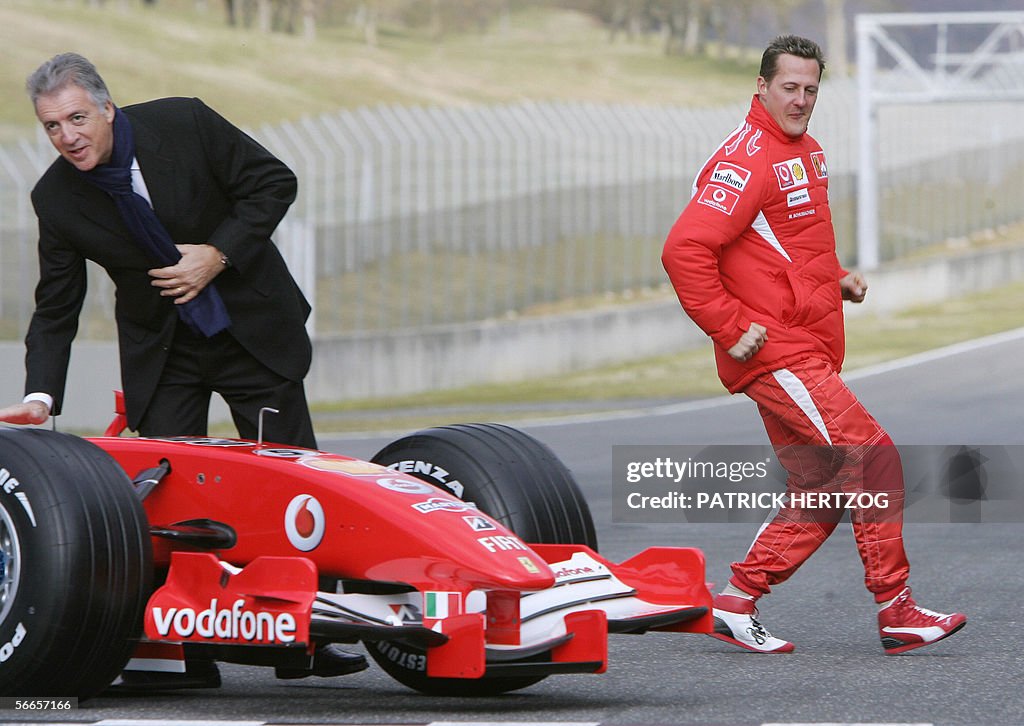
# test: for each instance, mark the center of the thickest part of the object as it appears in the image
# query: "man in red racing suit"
(753, 260)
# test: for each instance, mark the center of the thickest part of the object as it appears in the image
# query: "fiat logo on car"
(304, 522)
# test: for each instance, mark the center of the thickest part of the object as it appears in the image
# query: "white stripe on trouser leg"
(796, 390)
(764, 525)
(802, 398)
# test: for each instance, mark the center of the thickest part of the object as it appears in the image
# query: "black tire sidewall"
(84, 559)
(508, 474)
(27, 629)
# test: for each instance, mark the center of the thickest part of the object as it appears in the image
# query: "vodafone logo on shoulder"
(718, 197)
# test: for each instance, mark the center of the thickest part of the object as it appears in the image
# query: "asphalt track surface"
(972, 394)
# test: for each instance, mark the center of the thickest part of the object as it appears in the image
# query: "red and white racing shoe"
(904, 625)
(736, 622)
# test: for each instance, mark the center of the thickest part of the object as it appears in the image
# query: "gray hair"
(67, 69)
(789, 45)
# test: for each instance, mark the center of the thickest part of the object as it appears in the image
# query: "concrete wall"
(509, 350)
(495, 351)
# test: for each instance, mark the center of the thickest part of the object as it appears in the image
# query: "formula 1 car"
(464, 557)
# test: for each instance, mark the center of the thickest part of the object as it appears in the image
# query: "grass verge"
(172, 48)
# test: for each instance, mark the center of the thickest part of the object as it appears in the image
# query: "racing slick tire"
(508, 474)
(75, 565)
(515, 479)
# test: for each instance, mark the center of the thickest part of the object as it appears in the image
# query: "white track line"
(967, 346)
(909, 361)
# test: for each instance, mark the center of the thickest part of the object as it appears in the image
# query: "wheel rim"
(10, 563)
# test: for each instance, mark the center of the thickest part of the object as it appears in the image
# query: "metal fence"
(410, 217)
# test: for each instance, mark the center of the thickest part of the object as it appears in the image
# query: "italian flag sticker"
(440, 605)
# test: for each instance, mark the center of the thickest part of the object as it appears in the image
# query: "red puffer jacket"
(756, 244)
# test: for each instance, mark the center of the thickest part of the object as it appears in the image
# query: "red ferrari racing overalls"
(755, 244)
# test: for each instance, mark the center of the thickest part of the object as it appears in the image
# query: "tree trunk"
(835, 34)
(309, 20)
(263, 16)
(370, 22)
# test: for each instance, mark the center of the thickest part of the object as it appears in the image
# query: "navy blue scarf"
(206, 313)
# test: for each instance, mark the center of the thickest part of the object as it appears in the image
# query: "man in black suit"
(219, 195)
(177, 205)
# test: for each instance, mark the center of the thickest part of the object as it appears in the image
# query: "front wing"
(273, 604)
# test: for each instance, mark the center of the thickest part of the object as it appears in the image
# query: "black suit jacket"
(209, 183)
